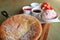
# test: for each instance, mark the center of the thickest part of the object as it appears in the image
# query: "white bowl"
(34, 4)
(27, 10)
(36, 14)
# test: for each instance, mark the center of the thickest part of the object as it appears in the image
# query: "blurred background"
(14, 6)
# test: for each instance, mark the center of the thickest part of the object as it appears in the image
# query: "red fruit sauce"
(27, 8)
(37, 11)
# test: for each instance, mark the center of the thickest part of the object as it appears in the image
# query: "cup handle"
(4, 13)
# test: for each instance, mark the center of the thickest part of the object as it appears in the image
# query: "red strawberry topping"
(46, 6)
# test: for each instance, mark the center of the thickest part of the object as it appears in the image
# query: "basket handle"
(4, 13)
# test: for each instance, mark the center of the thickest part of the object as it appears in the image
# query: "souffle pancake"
(20, 27)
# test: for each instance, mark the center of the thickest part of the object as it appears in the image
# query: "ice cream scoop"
(49, 14)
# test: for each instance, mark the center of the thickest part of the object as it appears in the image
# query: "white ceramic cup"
(36, 11)
(27, 10)
(34, 4)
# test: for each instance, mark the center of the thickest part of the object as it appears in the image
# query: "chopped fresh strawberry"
(43, 8)
(46, 6)
(46, 3)
(51, 8)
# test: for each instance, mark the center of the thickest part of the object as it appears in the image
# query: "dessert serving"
(49, 14)
(20, 27)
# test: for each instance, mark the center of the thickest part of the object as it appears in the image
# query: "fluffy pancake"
(20, 27)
